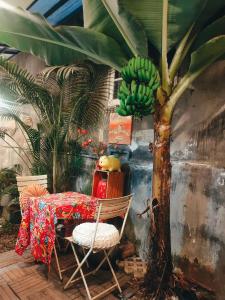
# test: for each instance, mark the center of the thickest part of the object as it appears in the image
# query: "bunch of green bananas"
(136, 92)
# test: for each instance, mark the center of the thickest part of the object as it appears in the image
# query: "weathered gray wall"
(198, 181)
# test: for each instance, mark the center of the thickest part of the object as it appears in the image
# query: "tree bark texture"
(159, 275)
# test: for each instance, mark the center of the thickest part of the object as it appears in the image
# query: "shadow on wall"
(198, 222)
(141, 178)
(198, 122)
(210, 138)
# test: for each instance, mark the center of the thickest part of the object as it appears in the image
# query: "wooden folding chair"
(23, 181)
(100, 236)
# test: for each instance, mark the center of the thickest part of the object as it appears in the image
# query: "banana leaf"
(210, 52)
(212, 30)
(129, 27)
(149, 14)
(31, 33)
(181, 15)
(211, 9)
(97, 18)
(112, 19)
(207, 54)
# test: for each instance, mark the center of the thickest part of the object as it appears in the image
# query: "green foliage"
(8, 228)
(202, 58)
(131, 30)
(12, 190)
(87, 189)
(8, 182)
(64, 99)
(97, 19)
(57, 46)
(149, 14)
(214, 29)
(169, 32)
(181, 15)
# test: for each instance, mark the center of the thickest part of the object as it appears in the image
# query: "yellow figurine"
(109, 163)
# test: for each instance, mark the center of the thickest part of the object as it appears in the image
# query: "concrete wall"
(198, 181)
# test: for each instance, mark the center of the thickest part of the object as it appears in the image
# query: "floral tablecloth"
(37, 227)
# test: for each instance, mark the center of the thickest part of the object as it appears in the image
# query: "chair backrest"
(114, 207)
(23, 181)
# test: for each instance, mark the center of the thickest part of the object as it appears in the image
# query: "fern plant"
(64, 99)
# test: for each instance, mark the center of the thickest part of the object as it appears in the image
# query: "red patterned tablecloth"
(37, 227)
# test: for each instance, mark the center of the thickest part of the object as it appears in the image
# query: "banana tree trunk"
(160, 263)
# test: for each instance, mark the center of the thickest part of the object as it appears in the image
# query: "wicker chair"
(100, 236)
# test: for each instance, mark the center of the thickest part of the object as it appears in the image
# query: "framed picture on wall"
(120, 129)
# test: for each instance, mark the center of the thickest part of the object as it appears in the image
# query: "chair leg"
(84, 253)
(57, 263)
(112, 271)
(80, 264)
(67, 246)
(102, 262)
(83, 276)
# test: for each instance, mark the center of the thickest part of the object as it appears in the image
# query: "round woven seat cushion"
(107, 235)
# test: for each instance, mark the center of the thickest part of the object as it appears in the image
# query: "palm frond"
(24, 87)
(17, 149)
(17, 78)
(33, 136)
(64, 98)
(64, 72)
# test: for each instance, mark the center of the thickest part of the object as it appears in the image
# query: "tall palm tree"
(64, 99)
(171, 33)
